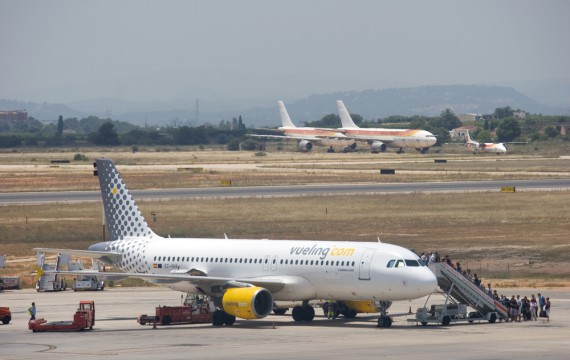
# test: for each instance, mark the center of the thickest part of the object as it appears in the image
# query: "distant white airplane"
(246, 277)
(381, 138)
(307, 136)
(475, 146)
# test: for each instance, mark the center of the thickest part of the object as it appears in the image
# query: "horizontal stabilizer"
(108, 257)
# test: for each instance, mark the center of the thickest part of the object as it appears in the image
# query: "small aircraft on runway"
(475, 146)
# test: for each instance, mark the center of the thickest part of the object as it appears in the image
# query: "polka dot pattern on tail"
(123, 216)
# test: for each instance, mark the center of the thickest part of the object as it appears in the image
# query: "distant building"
(519, 114)
(460, 132)
(469, 117)
(14, 115)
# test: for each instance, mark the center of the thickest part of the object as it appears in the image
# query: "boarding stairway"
(464, 291)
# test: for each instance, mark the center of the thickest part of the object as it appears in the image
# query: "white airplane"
(246, 277)
(475, 146)
(381, 138)
(306, 136)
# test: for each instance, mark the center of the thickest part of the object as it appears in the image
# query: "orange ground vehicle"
(197, 310)
(167, 315)
(84, 318)
(5, 315)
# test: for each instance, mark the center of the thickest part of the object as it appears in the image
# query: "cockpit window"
(390, 263)
(400, 263)
(412, 263)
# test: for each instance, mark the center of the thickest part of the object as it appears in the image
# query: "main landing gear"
(303, 312)
(384, 321)
(220, 317)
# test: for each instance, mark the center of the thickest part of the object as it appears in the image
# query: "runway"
(116, 334)
(293, 190)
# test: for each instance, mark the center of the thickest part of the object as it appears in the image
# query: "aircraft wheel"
(384, 321)
(229, 319)
(218, 318)
(309, 313)
(298, 313)
(349, 314)
(279, 311)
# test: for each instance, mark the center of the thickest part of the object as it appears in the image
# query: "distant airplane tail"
(285, 119)
(467, 137)
(122, 214)
(345, 117)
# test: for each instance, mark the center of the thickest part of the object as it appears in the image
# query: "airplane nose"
(427, 282)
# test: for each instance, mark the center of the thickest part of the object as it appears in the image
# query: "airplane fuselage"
(498, 148)
(395, 138)
(311, 269)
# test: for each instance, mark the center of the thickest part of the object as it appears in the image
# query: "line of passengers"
(524, 309)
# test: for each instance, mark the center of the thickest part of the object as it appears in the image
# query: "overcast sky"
(62, 51)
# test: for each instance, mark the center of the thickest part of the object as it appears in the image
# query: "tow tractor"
(84, 318)
(5, 315)
(197, 309)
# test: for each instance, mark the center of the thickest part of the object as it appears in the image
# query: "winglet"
(285, 119)
(345, 117)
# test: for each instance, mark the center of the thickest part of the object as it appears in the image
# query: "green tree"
(233, 144)
(59, 132)
(483, 136)
(249, 144)
(327, 121)
(107, 135)
(418, 123)
(503, 112)
(447, 120)
(222, 139)
(551, 132)
(508, 130)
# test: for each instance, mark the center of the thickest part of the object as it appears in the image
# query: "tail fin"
(123, 216)
(467, 137)
(285, 119)
(345, 116)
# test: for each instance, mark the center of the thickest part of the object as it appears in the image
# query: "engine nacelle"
(377, 146)
(248, 302)
(366, 307)
(305, 145)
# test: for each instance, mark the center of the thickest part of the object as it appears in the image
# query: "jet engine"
(305, 145)
(248, 302)
(377, 146)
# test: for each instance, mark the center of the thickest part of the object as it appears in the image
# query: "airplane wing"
(204, 282)
(384, 139)
(271, 136)
(299, 137)
(108, 257)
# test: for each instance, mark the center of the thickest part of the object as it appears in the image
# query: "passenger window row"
(255, 261)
